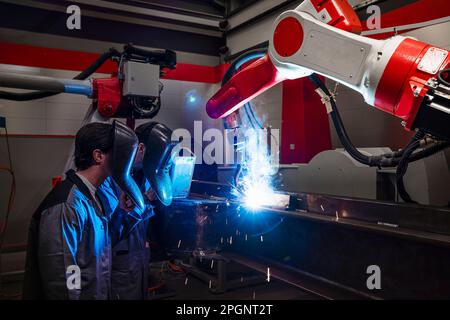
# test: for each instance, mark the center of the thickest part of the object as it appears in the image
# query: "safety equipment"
(181, 173)
(124, 148)
(159, 160)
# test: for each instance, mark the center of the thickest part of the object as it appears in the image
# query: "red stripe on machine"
(416, 12)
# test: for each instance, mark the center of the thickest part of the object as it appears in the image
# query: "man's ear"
(98, 156)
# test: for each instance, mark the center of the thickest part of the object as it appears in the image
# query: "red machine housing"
(342, 14)
(250, 82)
(108, 95)
(402, 87)
(262, 74)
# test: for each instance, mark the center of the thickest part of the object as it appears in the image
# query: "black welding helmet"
(124, 148)
(158, 160)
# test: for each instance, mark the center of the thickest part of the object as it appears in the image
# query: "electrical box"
(2, 122)
(141, 79)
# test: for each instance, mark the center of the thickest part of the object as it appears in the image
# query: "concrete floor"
(176, 287)
(188, 287)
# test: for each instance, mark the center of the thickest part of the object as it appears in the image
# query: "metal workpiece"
(321, 243)
(33, 82)
(381, 215)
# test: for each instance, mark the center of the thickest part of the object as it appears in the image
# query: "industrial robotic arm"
(131, 92)
(401, 76)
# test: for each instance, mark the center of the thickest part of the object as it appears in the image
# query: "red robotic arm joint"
(406, 79)
(336, 13)
(108, 95)
(287, 41)
(244, 86)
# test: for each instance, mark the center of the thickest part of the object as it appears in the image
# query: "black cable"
(441, 79)
(252, 113)
(44, 94)
(399, 159)
(11, 198)
(391, 159)
(401, 171)
(398, 154)
(437, 147)
(8, 148)
(339, 127)
(232, 68)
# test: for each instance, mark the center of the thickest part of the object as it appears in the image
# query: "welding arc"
(81, 76)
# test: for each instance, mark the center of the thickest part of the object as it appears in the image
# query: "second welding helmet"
(124, 148)
(158, 160)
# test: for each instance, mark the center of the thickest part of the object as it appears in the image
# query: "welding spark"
(254, 181)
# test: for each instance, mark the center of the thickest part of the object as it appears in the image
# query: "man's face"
(103, 160)
(137, 165)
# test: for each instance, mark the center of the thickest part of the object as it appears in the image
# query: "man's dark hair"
(90, 137)
(144, 130)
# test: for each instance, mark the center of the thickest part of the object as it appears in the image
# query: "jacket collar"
(72, 176)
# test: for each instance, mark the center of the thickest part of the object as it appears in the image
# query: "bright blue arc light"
(192, 98)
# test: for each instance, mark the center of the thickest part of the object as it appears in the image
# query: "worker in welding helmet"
(69, 246)
(131, 250)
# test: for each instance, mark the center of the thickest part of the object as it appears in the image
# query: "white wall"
(62, 114)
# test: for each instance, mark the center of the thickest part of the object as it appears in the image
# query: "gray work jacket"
(68, 232)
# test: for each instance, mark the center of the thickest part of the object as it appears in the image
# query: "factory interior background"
(207, 35)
